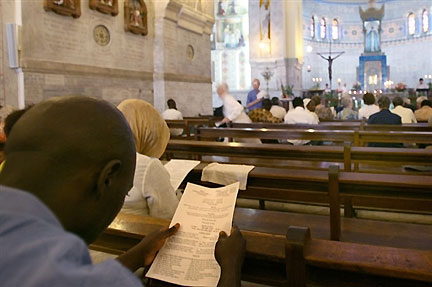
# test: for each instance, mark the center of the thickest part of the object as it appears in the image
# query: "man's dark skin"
(77, 155)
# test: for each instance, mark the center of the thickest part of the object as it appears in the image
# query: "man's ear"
(107, 175)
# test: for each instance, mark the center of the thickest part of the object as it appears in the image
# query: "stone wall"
(60, 55)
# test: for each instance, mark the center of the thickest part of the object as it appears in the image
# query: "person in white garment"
(173, 114)
(276, 110)
(407, 115)
(299, 115)
(152, 193)
(233, 111)
(370, 108)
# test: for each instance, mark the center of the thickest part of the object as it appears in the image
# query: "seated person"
(69, 190)
(263, 114)
(299, 116)
(384, 117)
(370, 108)
(276, 109)
(425, 112)
(310, 107)
(173, 114)
(347, 113)
(152, 193)
(406, 114)
(323, 112)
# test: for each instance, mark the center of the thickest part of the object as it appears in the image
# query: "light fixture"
(309, 49)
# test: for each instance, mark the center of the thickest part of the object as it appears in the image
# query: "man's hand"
(229, 253)
(254, 102)
(143, 254)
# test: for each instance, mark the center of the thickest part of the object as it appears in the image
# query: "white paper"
(261, 95)
(179, 169)
(187, 258)
(227, 174)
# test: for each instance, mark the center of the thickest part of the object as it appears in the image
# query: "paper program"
(187, 258)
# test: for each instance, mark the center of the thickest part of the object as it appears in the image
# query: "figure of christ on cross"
(330, 62)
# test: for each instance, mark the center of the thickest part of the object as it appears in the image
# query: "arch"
(425, 21)
(323, 28)
(335, 29)
(411, 24)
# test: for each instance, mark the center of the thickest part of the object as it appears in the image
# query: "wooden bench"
(265, 232)
(356, 138)
(419, 127)
(189, 126)
(309, 262)
(407, 193)
(283, 155)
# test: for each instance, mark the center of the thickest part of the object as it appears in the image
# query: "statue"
(264, 19)
(372, 39)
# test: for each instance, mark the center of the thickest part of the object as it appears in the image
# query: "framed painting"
(105, 6)
(135, 14)
(64, 7)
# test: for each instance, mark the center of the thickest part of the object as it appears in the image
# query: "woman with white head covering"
(152, 193)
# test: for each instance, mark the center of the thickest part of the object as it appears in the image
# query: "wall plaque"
(101, 35)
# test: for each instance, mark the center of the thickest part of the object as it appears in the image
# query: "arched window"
(312, 28)
(323, 28)
(411, 24)
(335, 29)
(425, 21)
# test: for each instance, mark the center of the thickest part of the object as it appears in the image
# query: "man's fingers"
(173, 230)
(222, 235)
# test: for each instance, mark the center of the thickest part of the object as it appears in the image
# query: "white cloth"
(422, 86)
(407, 115)
(173, 114)
(367, 111)
(278, 112)
(299, 116)
(227, 174)
(233, 110)
(152, 193)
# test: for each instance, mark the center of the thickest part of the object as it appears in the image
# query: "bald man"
(70, 162)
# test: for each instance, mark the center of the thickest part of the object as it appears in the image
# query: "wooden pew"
(310, 261)
(407, 193)
(283, 155)
(189, 126)
(420, 127)
(357, 138)
(265, 233)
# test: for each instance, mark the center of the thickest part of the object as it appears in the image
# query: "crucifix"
(330, 60)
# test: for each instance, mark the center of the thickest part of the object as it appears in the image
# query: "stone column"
(9, 78)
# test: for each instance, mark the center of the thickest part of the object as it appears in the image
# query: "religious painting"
(265, 24)
(105, 6)
(231, 33)
(135, 13)
(64, 7)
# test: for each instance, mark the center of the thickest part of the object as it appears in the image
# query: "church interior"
(318, 112)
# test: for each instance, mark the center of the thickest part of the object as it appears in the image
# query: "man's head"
(297, 102)
(397, 101)
(172, 104)
(79, 159)
(347, 102)
(222, 89)
(426, 103)
(419, 100)
(384, 103)
(266, 104)
(316, 100)
(369, 99)
(275, 101)
(12, 118)
(421, 81)
(256, 84)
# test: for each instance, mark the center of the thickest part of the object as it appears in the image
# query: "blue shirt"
(35, 250)
(252, 96)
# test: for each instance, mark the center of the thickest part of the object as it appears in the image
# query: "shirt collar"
(298, 108)
(17, 201)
